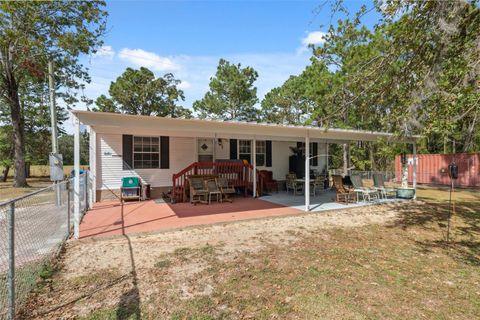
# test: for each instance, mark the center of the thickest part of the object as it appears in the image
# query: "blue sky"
(188, 38)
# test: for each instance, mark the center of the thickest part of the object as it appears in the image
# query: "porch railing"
(238, 174)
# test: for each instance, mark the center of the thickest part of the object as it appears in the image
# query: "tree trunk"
(5, 173)
(470, 136)
(20, 178)
(371, 152)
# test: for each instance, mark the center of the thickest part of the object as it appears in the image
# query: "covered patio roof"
(238, 129)
(102, 122)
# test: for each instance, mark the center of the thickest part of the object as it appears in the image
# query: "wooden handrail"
(204, 168)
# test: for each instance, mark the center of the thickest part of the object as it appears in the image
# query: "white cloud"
(315, 37)
(273, 69)
(105, 52)
(184, 85)
(147, 59)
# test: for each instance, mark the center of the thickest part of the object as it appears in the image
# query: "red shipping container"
(433, 169)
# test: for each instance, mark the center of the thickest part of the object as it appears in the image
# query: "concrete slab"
(322, 201)
(111, 218)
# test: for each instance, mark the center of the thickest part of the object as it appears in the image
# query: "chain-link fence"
(388, 176)
(33, 229)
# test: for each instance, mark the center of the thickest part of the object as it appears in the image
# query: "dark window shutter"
(233, 149)
(268, 156)
(127, 152)
(164, 152)
(315, 154)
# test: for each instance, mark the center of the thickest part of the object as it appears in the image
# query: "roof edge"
(79, 113)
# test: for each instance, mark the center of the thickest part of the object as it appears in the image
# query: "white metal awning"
(210, 128)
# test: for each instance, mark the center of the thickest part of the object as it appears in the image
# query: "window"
(146, 152)
(245, 151)
(261, 150)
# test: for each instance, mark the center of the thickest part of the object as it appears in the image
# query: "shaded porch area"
(322, 201)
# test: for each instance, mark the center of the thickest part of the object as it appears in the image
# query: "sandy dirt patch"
(86, 256)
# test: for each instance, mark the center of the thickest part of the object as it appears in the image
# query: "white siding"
(223, 151)
(182, 153)
(280, 154)
(109, 166)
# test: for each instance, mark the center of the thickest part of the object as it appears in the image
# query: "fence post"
(11, 261)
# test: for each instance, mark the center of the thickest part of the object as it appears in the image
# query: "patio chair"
(318, 184)
(269, 183)
(130, 189)
(379, 185)
(343, 194)
(225, 188)
(212, 189)
(198, 191)
(292, 184)
(368, 194)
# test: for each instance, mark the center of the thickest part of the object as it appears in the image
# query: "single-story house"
(156, 148)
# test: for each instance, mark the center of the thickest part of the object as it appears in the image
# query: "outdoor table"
(303, 180)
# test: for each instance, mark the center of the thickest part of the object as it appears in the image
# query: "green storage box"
(130, 182)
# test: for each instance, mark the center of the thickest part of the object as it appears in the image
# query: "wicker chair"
(212, 189)
(318, 184)
(292, 184)
(198, 191)
(343, 194)
(225, 188)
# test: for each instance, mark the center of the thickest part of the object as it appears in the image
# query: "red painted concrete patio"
(108, 218)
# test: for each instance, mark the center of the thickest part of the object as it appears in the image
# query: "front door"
(205, 149)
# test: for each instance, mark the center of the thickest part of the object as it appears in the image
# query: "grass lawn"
(7, 191)
(396, 268)
(40, 179)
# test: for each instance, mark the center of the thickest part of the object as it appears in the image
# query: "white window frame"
(245, 144)
(261, 150)
(146, 152)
